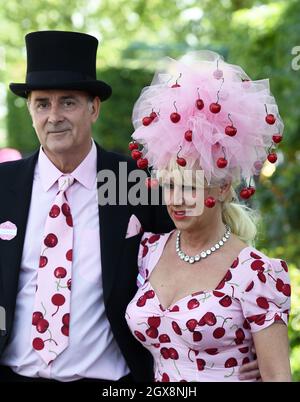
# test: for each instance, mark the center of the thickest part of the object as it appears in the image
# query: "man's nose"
(55, 114)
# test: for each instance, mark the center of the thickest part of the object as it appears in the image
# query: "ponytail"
(241, 219)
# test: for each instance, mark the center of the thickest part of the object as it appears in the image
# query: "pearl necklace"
(202, 254)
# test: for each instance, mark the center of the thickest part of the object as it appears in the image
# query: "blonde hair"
(242, 220)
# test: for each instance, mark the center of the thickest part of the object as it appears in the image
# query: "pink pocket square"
(134, 227)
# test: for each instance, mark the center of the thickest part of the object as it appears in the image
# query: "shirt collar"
(85, 173)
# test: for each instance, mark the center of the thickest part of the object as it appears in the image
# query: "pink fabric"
(51, 317)
(207, 335)
(244, 105)
(134, 227)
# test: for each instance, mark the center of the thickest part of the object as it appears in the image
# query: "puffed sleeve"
(266, 297)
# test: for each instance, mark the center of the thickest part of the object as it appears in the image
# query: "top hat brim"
(96, 88)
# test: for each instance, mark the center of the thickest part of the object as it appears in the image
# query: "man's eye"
(42, 105)
(69, 103)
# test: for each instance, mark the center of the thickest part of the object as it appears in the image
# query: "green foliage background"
(134, 35)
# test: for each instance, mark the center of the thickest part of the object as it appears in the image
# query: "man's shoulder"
(13, 168)
(115, 158)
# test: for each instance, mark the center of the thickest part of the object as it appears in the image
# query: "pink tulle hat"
(210, 113)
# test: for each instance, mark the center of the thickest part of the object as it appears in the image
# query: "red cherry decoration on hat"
(218, 74)
(252, 190)
(272, 157)
(147, 120)
(176, 85)
(188, 135)
(180, 161)
(230, 130)
(277, 138)
(175, 117)
(135, 154)
(270, 118)
(210, 202)
(133, 145)
(199, 102)
(245, 193)
(215, 107)
(222, 163)
(142, 163)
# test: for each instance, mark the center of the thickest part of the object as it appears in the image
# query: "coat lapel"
(15, 208)
(113, 224)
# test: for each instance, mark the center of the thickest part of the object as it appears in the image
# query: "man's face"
(62, 119)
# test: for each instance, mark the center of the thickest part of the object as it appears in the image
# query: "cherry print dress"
(207, 335)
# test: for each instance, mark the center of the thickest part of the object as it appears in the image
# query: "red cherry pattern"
(43, 261)
(196, 329)
(48, 325)
(51, 240)
(54, 212)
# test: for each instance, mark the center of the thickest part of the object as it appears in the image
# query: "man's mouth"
(57, 131)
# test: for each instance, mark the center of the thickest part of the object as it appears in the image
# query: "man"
(65, 320)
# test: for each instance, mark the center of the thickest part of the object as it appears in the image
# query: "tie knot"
(64, 182)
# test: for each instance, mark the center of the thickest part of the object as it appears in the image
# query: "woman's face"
(185, 201)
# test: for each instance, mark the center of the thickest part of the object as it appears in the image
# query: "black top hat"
(61, 60)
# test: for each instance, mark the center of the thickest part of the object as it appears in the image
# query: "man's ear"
(95, 108)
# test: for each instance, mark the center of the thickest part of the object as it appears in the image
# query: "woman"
(206, 295)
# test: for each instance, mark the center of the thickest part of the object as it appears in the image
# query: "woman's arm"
(272, 349)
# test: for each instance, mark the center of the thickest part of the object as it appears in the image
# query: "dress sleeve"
(266, 297)
(148, 245)
(142, 257)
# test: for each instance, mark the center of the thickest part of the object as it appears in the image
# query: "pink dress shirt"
(92, 350)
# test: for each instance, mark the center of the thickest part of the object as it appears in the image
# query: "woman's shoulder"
(150, 242)
(257, 267)
(151, 248)
(257, 260)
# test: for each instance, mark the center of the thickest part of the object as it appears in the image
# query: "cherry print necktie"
(51, 316)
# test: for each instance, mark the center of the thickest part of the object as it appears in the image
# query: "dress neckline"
(198, 292)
